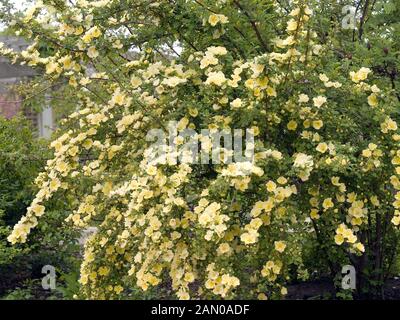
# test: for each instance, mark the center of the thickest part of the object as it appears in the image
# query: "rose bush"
(326, 166)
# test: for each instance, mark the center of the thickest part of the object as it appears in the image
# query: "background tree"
(22, 157)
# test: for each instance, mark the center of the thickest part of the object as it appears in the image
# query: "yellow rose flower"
(280, 246)
(213, 19)
(339, 239)
(373, 100)
(327, 203)
(322, 147)
(317, 124)
(292, 125)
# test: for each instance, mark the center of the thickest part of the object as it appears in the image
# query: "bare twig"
(253, 25)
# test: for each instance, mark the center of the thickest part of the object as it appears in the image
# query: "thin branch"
(253, 25)
(362, 20)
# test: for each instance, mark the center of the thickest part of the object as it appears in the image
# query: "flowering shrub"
(326, 144)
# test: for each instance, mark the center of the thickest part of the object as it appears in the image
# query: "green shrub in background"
(22, 156)
(322, 100)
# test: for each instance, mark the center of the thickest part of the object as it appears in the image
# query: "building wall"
(8, 108)
(10, 103)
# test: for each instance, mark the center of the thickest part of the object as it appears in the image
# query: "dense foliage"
(22, 157)
(322, 101)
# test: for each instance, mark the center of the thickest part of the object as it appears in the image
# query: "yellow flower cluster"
(388, 125)
(344, 234)
(211, 219)
(304, 164)
(272, 269)
(372, 155)
(360, 75)
(214, 19)
(220, 283)
(210, 56)
(91, 34)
